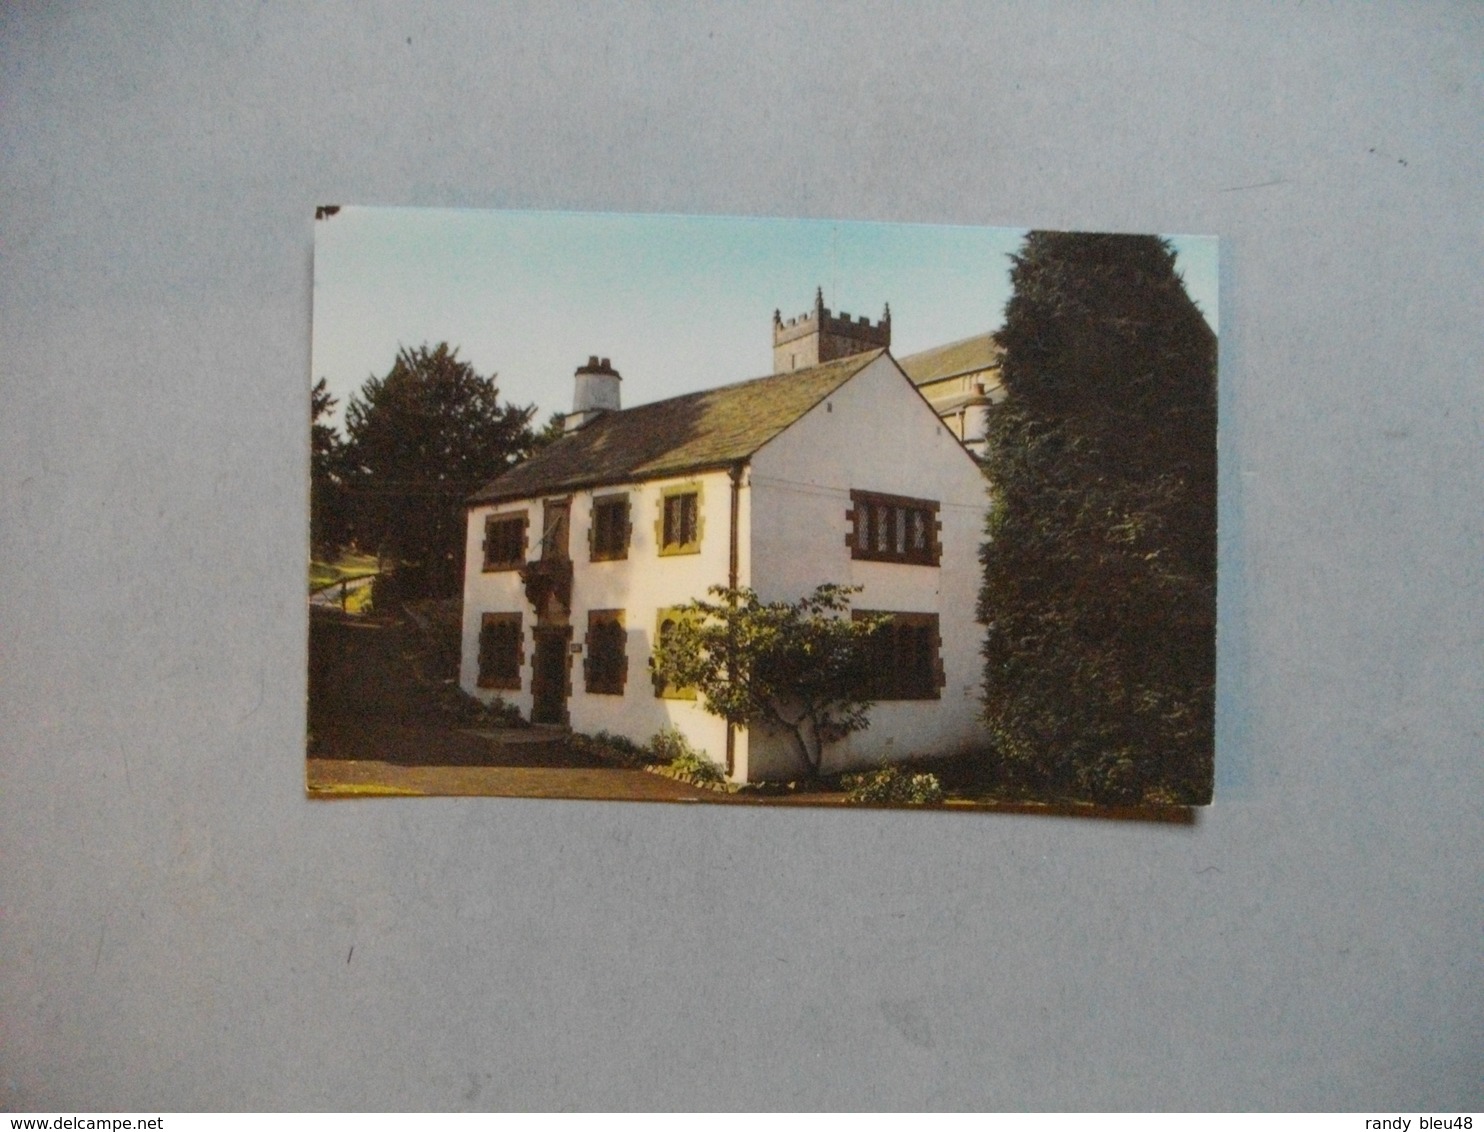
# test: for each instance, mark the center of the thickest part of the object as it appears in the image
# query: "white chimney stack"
(596, 392)
(976, 419)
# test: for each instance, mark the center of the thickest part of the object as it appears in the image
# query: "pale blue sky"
(679, 303)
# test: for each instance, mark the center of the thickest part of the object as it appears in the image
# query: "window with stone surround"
(665, 622)
(606, 665)
(678, 529)
(893, 528)
(501, 651)
(608, 533)
(905, 656)
(505, 541)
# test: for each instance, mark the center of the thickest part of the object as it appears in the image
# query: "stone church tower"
(818, 336)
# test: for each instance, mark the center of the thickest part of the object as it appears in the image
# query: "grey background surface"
(178, 921)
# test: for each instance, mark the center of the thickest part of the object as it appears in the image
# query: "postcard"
(754, 511)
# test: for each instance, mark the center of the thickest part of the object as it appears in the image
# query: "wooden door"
(549, 669)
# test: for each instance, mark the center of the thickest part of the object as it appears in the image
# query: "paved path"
(341, 776)
(373, 756)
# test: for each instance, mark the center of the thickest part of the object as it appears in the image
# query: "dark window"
(681, 523)
(505, 541)
(501, 651)
(609, 533)
(606, 667)
(554, 533)
(904, 661)
(893, 528)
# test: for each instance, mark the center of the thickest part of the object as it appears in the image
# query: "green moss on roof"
(710, 429)
(968, 355)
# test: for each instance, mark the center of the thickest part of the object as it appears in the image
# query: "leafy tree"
(800, 667)
(553, 430)
(327, 517)
(1100, 568)
(419, 441)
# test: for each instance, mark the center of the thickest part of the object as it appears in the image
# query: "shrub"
(460, 707)
(610, 748)
(800, 667)
(667, 745)
(1109, 778)
(436, 627)
(620, 743)
(924, 789)
(892, 786)
(1100, 565)
(674, 750)
(502, 713)
(393, 586)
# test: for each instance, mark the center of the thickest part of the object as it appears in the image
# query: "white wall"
(875, 433)
(499, 591)
(641, 585)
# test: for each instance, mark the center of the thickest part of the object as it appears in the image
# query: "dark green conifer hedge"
(1100, 566)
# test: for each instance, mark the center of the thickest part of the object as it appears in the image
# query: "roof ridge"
(707, 428)
(950, 345)
(865, 357)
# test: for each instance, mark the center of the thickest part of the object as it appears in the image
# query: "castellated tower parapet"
(818, 336)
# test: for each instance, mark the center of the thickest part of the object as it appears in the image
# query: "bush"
(671, 748)
(1100, 565)
(461, 707)
(401, 583)
(796, 667)
(620, 743)
(437, 628)
(892, 786)
(501, 713)
(1110, 779)
(610, 748)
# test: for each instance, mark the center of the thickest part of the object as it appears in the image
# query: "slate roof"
(967, 355)
(992, 396)
(710, 429)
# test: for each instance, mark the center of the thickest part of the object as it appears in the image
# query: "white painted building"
(837, 472)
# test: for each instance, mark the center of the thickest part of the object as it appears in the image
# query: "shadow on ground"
(423, 743)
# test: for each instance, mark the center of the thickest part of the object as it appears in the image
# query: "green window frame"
(680, 525)
(665, 621)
